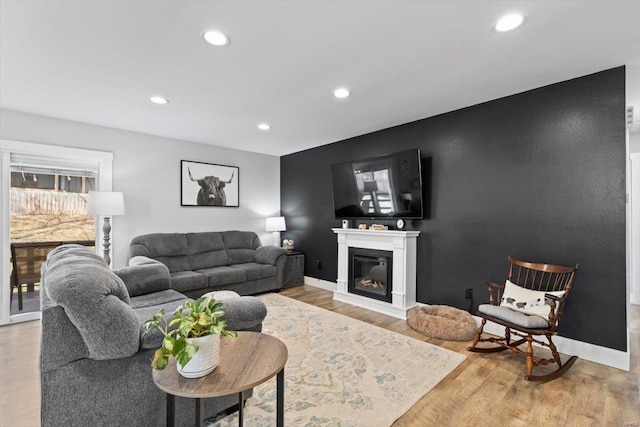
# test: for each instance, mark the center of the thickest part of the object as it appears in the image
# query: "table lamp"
(276, 224)
(105, 204)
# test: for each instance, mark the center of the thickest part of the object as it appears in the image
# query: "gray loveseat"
(95, 356)
(203, 262)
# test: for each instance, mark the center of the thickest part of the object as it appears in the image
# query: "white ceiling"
(99, 61)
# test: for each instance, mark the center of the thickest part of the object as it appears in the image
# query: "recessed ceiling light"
(216, 38)
(509, 22)
(159, 100)
(264, 126)
(341, 92)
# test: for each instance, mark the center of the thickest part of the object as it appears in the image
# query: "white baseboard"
(319, 283)
(595, 353)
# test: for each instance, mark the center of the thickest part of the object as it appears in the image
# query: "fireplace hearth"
(371, 273)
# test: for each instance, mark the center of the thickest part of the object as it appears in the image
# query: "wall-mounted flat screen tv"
(380, 187)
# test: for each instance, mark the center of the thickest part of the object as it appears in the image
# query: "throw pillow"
(526, 300)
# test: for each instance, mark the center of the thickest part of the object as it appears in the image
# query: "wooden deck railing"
(26, 259)
(29, 201)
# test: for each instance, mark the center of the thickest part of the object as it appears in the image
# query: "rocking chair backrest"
(542, 277)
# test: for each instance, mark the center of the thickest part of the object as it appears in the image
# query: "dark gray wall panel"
(538, 175)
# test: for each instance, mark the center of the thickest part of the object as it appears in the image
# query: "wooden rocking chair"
(529, 304)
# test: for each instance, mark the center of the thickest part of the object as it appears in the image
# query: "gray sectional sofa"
(95, 356)
(203, 262)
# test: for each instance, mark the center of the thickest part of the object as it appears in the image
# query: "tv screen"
(381, 187)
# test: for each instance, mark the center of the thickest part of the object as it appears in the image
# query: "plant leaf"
(150, 324)
(160, 360)
(230, 334)
(185, 354)
(203, 319)
(178, 345)
(168, 344)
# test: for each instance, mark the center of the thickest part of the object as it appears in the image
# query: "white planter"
(206, 358)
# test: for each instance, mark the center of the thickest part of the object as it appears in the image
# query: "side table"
(245, 362)
(294, 270)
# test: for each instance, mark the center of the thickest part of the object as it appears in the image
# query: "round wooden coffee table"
(245, 362)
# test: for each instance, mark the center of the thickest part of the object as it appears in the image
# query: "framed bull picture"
(208, 184)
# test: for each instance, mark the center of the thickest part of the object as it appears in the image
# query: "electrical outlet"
(468, 293)
(318, 264)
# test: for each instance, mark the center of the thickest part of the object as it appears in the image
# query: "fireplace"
(401, 249)
(370, 273)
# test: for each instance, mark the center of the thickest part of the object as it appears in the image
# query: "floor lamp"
(276, 224)
(105, 204)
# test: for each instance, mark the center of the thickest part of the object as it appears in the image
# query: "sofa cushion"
(256, 271)
(171, 249)
(95, 300)
(206, 250)
(156, 298)
(219, 276)
(515, 317)
(187, 280)
(241, 246)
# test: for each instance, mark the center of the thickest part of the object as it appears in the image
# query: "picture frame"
(209, 184)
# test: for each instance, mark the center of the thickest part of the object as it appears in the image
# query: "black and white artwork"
(207, 184)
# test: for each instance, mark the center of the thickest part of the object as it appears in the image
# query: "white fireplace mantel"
(403, 244)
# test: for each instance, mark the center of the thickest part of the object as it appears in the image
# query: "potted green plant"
(192, 337)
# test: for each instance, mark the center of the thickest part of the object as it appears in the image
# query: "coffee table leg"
(280, 399)
(199, 412)
(240, 408)
(171, 410)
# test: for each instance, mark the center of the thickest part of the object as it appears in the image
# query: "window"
(48, 198)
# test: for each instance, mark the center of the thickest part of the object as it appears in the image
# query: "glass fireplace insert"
(370, 273)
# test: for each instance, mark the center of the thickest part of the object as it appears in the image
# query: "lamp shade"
(105, 203)
(276, 223)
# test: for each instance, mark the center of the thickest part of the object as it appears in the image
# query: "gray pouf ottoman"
(221, 295)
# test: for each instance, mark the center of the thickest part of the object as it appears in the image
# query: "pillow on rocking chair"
(515, 317)
(527, 301)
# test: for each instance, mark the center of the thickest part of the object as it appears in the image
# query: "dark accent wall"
(539, 175)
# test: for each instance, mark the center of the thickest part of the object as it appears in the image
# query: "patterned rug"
(341, 371)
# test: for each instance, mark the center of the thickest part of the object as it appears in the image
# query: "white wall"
(634, 142)
(146, 169)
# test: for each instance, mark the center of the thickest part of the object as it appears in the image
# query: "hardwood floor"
(485, 390)
(489, 390)
(19, 375)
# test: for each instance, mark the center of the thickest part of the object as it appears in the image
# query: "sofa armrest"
(244, 313)
(144, 276)
(269, 254)
(95, 300)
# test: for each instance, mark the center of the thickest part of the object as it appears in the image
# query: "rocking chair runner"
(529, 304)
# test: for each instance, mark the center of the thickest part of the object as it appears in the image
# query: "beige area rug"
(341, 371)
